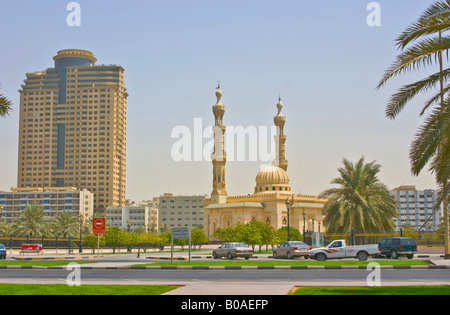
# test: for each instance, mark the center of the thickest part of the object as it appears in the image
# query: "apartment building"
(53, 200)
(143, 216)
(416, 207)
(180, 211)
(72, 129)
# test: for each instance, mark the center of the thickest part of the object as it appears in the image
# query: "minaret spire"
(280, 138)
(219, 156)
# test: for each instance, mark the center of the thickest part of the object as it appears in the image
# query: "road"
(172, 276)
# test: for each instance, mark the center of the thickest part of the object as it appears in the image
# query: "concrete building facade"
(180, 211)
(53, 200)
(416, 208)
(72, 130)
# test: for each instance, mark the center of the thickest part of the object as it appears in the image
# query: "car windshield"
(239, 245)
(298, 244)
(2, 246)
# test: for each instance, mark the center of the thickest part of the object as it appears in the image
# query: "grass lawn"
(223, 262)
(396, 290)
(62, 289)
(42, 263)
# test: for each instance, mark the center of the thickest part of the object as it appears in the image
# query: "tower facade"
(72, 130)
(280, 138)
(219, 156)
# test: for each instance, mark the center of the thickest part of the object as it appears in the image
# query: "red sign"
(98, 226)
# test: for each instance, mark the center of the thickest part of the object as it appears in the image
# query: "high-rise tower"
(280, 138)
(72, 130)
(219, 156)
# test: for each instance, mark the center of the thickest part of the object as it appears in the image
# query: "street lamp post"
(289, 203)
(304, 225)
(81, 218)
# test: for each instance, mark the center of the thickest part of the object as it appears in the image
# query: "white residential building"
(144, 216)
(53, 200)
(416, 208)
(180, 211)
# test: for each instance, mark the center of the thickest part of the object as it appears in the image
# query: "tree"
(293, 232)
(5, 228)
(252, 233)
(92, 241)
(229, 234)
(114, 236)
(64, 224)
(360, 201)
(431, 145)
(5, 106)
(198, 237)
(151, 239)
(130, 240)
(31, 221)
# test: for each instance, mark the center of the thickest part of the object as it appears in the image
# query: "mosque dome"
(272, 178)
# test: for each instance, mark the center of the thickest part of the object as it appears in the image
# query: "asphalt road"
(171, 276)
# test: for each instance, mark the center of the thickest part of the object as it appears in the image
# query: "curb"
(55, 258)
(168, 258)
(137, 267)
(428, 256)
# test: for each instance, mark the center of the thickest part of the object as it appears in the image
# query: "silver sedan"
(233, 250)
(292, 249)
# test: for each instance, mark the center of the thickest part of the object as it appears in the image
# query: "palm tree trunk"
(446, 223)
(445, 185)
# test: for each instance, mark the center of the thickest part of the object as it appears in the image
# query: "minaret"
(219, 156)
(280, 138)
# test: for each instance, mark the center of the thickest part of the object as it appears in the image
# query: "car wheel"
(394, 254)
(362, 256)
(321, 257)
(275, 255)
(229, 256)
(214, 255)
(289, 255)
(411, 256)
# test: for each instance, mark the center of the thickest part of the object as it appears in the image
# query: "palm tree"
(31, 221)
(5, 228)
(5, 106)
(431, 145)
(360, 201)
(65, 224)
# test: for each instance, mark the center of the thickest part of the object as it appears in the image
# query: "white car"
(338, 250)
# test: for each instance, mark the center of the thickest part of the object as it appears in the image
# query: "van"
(394, 247)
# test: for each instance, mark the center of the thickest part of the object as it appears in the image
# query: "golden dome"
(272, 178)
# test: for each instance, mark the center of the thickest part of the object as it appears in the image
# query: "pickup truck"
(338, 249)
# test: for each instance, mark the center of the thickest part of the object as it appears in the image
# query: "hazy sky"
(321, 56)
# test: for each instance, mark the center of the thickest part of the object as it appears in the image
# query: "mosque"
(272, 199)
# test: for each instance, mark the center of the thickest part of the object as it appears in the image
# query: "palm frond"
(428, 138)
(422, 53)
(409, 91)
(435, 19)
(5, 106)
